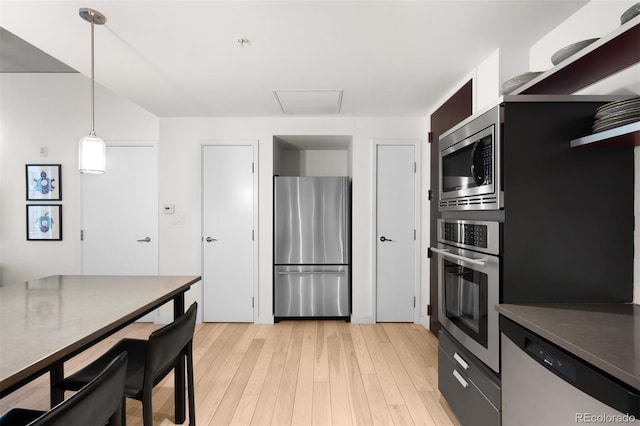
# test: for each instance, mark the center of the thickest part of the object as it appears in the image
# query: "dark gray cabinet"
(470, 388)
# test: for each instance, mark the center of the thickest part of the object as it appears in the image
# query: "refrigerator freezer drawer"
(312, 291)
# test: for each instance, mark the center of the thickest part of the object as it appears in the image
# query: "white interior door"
(395, 232)
(228, 232)
(120, 215)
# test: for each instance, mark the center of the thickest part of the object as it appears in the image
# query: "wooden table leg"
(179, 375)
(55, 375)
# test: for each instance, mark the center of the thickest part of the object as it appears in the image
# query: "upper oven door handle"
(445, 253)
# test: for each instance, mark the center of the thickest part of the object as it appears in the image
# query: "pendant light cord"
(92, 78)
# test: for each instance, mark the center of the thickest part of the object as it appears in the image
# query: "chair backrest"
(94, 403)
(168, 343)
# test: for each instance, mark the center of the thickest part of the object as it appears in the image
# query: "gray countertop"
(42, 321)
(604, 335)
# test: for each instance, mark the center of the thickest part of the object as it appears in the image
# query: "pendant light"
(92, 151)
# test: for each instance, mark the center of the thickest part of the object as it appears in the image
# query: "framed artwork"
(44, 222)
(43, 182)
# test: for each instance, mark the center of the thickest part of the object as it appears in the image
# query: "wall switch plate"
(44, 151)
(169, 209)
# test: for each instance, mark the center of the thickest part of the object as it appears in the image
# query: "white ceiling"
(182, 58)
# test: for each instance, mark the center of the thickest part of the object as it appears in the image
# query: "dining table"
(46, 321)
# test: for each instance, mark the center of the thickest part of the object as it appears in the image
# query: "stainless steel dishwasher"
(543, 384)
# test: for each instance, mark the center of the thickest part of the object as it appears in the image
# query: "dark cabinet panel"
(454, 110)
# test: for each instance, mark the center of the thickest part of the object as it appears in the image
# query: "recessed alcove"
(312, 155)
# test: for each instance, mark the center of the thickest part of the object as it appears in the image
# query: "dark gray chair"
(97, 403)
(149, 362)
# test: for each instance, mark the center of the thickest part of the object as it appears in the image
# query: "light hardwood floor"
(293, 373)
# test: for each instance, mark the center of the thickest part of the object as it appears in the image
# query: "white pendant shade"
(92, 154)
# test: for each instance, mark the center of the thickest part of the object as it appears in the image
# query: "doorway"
(396, 210)
(229, 231)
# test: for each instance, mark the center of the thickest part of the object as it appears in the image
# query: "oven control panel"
(472, 235)
(481, 236)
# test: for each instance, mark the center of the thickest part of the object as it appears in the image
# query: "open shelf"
(624, 135)
(612, 53)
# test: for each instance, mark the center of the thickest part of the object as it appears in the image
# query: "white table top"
(44, 320)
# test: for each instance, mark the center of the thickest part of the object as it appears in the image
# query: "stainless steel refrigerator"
(312, 247)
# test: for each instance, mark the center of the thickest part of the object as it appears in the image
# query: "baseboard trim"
(362, 320)
(268, 319)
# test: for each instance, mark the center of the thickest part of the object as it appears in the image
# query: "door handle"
(383, 239)
(209, 239)
(311, 273)
(145, 240)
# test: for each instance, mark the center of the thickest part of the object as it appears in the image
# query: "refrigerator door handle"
(311, 273)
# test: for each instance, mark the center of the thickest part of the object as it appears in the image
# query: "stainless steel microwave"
(470, 164)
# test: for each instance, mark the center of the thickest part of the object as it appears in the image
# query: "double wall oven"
(469, 285)
(520, 213)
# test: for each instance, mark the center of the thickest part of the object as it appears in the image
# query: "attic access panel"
(309, 101)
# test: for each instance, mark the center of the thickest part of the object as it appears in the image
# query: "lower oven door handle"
(446, 253)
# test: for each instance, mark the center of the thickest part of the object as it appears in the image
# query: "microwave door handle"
(445, 253)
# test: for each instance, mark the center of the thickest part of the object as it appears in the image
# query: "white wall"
(53, 111)
(501, 66)
(310, 162)
(180, 139)
(320, 162)
(286, 162)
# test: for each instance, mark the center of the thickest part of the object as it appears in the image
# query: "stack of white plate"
(616, 114)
